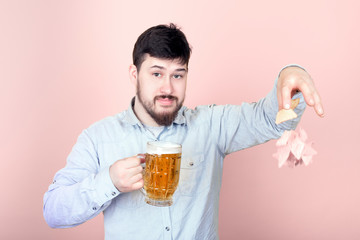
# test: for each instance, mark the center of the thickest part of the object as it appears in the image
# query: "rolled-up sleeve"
(81, 190)
(236, 127)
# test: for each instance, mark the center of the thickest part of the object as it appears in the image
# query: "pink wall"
(63, 66)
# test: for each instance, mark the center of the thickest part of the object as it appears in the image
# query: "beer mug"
(161, 173)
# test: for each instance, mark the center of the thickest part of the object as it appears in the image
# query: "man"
(103, 171)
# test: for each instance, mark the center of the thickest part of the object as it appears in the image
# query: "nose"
(166, 87)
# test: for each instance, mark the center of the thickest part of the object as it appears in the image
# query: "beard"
(164, 118)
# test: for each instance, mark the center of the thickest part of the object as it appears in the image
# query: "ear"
(133, 74)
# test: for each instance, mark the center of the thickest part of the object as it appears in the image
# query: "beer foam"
(161, 147)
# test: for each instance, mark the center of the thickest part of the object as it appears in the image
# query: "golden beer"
(161, 174)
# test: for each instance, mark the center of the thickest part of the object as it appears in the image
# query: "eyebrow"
(177, 70)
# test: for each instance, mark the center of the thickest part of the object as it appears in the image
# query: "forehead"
(167, 64)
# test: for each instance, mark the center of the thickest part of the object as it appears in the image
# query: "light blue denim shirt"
(83, 189)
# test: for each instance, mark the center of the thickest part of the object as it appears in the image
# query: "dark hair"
(162, 41)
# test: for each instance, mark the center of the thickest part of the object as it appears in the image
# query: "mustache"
(171, 97)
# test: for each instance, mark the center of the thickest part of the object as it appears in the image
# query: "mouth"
(166, 100)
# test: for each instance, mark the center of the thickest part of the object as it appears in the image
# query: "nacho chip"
(287, 114)
(294, 103)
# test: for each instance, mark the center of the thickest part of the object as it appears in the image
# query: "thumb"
(284, 97)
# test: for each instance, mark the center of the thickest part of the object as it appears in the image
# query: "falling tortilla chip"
(293, 149)
(287, 114)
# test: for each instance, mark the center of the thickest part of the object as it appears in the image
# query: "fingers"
(295, 79)
(133, 161)
(307, 92)
(312, 97)
(126, 174)
(132, 179)
(318, 105)
(137, 182)
(285, 97)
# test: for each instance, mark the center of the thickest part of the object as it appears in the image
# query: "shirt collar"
(131, 118)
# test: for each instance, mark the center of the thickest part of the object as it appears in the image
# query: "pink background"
(64, 65)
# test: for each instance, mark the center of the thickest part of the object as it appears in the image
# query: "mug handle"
(142, 190)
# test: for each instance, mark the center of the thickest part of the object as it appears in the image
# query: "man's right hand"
(126, 174)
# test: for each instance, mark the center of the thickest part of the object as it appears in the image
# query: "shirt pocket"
(193, 179)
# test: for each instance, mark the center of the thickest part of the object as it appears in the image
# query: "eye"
(157, 74)
(177, 76)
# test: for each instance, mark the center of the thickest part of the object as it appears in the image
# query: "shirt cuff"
(292, 65)
(104, 187)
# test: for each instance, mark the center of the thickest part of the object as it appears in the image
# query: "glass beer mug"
(161, 173)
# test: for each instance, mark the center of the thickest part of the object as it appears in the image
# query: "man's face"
(161, 86)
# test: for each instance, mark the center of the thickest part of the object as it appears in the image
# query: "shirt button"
(113, 193)
(191, 164)
(167, 229)
(94, 208)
